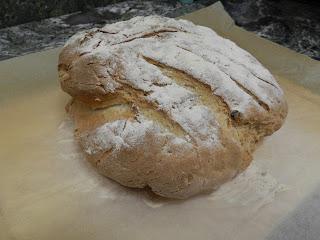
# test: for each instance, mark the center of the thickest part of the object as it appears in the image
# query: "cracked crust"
(163, 103)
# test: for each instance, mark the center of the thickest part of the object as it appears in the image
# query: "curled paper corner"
(152, 204)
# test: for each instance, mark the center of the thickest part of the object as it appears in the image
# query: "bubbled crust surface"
(167, 104)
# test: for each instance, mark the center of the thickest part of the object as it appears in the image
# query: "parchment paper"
(48, 190)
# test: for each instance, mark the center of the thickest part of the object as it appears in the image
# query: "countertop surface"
(293, 24)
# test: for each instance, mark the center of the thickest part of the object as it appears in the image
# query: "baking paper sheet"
(48, 190)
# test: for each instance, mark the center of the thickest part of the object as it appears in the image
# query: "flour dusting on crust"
(119, 51)
(174, 106)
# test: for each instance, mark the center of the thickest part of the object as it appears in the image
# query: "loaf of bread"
(166, 104)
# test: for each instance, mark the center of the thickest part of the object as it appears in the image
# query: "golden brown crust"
(152, 108)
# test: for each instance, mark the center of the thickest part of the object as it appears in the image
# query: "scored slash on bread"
(167, 104)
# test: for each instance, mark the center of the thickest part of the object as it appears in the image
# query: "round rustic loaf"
(166, 104)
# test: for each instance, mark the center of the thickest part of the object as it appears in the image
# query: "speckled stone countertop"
(291, 24)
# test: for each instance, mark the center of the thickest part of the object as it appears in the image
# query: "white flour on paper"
(254, 187)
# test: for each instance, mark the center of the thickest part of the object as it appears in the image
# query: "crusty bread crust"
(167, 104)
